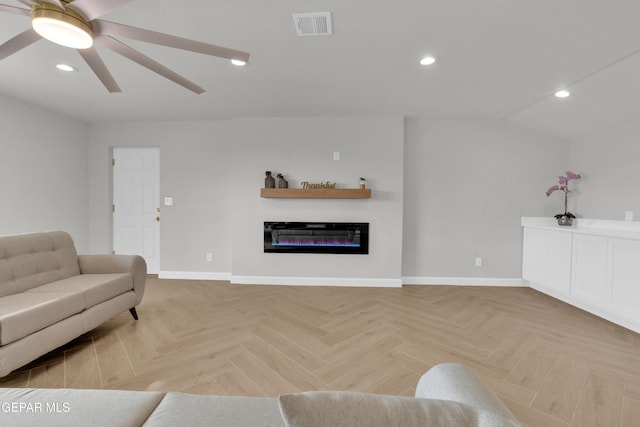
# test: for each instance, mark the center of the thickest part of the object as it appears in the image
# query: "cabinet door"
(589, 270)
(534, 256)
(547, 260)
(559, 262)
(625, 277)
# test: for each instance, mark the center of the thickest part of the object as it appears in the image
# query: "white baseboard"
(316, 281)
(339, 281)
(464, 281)
(193, 275)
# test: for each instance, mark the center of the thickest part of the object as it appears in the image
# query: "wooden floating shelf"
(325, 193)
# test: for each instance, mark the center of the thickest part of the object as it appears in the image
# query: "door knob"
(158, 218)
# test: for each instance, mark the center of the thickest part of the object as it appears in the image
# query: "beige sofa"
(49, 295)
(448, 395)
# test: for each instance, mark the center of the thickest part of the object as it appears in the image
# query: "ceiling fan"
(74, 23)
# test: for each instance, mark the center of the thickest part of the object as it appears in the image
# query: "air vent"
(313, 24)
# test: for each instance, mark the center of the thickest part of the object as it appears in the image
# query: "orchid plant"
(563, 185)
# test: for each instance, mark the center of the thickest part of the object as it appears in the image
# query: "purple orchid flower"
(552, 189)
(563, 185)
(571, 175)
(563, 182)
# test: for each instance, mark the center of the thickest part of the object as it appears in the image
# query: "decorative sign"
(323, 185)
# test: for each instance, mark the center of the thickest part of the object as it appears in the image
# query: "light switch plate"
(168, 201)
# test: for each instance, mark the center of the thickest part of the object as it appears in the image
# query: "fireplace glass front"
(317, 237)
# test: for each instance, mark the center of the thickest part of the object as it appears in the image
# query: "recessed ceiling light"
(562, 94)
(66, 67)
(428, 60)
(238, 62)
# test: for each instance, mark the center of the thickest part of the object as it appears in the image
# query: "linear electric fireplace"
(317, 237)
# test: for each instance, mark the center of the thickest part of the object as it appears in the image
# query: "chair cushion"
(94, 288)
(28, 312)
(349, 409)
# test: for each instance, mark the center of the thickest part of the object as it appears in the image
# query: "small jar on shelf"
(269, 181)
(282, 183)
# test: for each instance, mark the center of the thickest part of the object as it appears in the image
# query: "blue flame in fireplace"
(310, 243)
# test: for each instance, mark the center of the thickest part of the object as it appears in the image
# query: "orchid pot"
(565, 220)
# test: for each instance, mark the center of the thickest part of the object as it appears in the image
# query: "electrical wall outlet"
(478, 262)
(628, 216)
(336, 155)
(209, 257)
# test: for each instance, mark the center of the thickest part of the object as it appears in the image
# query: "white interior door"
(136, 204)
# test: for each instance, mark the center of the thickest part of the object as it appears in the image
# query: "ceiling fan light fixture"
(63, 27)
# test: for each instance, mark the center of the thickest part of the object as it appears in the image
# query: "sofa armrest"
(104, 264)
(453, 381)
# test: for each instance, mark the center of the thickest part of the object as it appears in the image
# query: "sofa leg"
(133, 312)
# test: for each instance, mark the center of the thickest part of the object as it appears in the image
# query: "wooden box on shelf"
(324, 193)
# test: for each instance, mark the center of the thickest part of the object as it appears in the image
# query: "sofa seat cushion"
(94, 288)
(28, 312)
(180, 409)
(347, 409)
(24, 407)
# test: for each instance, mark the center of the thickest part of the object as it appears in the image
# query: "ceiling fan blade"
(15, 10)
(92, 9)
(132, 54)
(94, 61)
(55, 3)
(19, 42)
(28, 3)
(125, 31)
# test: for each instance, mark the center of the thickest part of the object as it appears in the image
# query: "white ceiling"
(498, 59)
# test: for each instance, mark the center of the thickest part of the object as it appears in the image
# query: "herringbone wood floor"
(553, 365)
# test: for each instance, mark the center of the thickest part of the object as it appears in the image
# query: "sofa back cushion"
(31, 260)
(348, 409)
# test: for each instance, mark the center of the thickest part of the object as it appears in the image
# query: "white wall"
(214, 171)
(196, 170)
(444, 192)
(610, 167)
(467, 184)
(43, 171)
(302, 149)
(460, 186)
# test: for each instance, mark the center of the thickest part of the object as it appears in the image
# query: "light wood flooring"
(553, 364)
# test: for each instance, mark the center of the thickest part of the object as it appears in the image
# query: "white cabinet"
(624, 277)
(594, 266)
(547, 260)
(589, 269)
